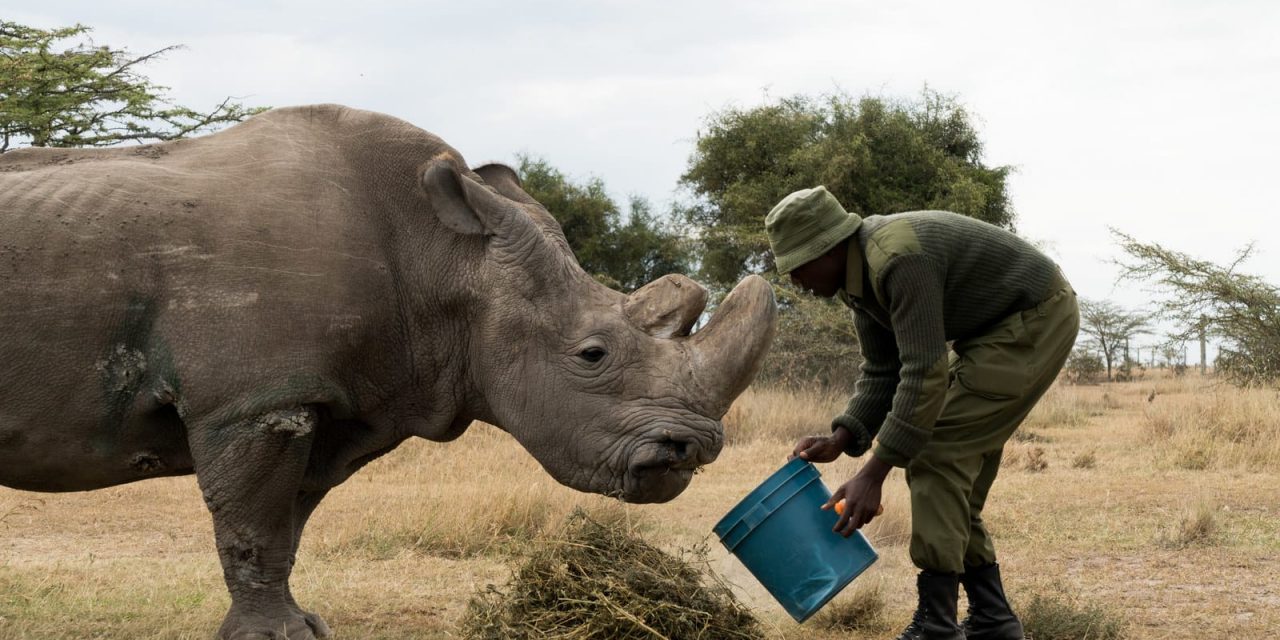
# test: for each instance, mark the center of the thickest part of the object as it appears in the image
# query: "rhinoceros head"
(611, 393)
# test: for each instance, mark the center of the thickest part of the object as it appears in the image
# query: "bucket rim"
(766, 488)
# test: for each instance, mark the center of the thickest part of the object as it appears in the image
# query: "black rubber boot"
(935, 617)
(990, 617)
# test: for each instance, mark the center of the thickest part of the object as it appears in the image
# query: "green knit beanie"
(805, 225)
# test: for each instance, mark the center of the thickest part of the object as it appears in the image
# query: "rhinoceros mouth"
(656, 481)
(660, 470)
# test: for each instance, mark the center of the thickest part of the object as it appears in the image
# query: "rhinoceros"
(275, 305)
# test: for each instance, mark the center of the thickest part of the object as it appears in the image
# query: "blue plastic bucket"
(785, 539)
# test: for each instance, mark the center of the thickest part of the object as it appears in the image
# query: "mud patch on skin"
(146, 462)
(295, 423)
(122, 371)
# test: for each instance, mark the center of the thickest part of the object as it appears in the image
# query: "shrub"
(1084, 367)
(1033, 460)
(1084, 460)
(1062, 617)
(1197, 528)
(815, 346)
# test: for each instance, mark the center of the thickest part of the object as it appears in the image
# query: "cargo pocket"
(996, 365)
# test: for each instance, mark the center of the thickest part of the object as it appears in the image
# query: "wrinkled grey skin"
(273, 306)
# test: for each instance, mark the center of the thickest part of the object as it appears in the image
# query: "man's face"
(823, 276)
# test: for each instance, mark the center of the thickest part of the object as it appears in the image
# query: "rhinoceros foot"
(318, 627)
(297, 625)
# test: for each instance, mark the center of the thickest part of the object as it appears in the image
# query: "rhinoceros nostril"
(679, 448)
(681, 452)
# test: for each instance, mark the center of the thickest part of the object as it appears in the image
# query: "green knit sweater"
(915, 281)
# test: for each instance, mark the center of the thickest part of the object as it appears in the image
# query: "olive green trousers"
(995, 381)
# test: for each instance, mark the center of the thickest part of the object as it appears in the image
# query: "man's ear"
(462, 204)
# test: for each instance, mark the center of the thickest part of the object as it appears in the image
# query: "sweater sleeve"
(913, 286)
(873, 393)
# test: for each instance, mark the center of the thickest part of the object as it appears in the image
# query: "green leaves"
(876, 155)
(88, 95)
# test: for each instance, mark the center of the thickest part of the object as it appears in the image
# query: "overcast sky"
(1159, 118)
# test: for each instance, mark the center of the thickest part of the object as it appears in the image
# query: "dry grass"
(1061, 616)
(861, 609)
(396, 552)
(1034, 461)
(450, 507)
(1217, 428)
(1197, 527)
(1085, 460)
(1066, 406)
(773, 415)
(599, 579)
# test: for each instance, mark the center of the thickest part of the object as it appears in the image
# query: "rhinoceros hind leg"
(251, 474)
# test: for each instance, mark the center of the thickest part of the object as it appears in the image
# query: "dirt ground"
(1155, 500)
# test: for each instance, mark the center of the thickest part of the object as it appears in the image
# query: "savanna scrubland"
(1141, 509)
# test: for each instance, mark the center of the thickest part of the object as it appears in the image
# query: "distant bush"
(816, 344)
(1084, 367)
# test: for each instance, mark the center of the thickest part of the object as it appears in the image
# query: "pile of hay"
(598, 580)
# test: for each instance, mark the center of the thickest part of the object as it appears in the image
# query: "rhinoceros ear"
(462, 204)
(505, 180)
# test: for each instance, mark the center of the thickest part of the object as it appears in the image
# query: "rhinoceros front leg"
(251, 473)
(306, 502)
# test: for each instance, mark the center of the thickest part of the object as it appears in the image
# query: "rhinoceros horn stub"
(728, 351)
(667, 307)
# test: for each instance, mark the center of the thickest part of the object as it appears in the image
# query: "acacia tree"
(88, 95)
(877, 155)
(1240, 309)
(1109, 328)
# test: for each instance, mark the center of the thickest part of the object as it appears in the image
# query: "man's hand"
(861, 496)
(822, 448)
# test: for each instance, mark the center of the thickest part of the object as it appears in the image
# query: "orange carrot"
(840, 508)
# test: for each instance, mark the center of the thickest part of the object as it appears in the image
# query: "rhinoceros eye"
(592, 354)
